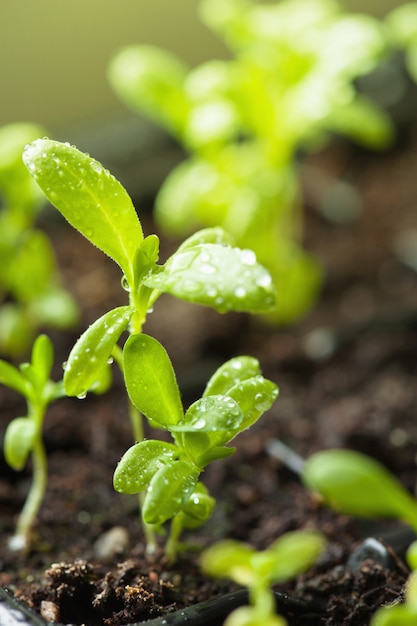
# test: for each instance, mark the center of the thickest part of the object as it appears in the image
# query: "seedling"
(206, 270)
(23, 436)
(355, 484)
(293, 553)
(235, 397)
(30, 293)
(243, 121)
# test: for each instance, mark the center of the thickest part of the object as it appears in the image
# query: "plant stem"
(20, 540)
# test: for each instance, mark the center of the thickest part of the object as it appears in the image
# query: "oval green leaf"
(356, 484)
(169, 491)
(254, 396)
(93, 349)
(12, 378)
(211, 414)
(225, 278)
(139, 463)
(89, 197)
(231, 373)
(19, 441)
(293, 553)
(230, 559)
(43, 358)
(150, 380)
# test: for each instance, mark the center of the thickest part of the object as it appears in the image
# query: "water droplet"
(240, 292)
(201, 423)
(248, 257)
(82, 395)
(206, 268)
(110, 360)
(65, 365)
(264, 280)
(125, 284)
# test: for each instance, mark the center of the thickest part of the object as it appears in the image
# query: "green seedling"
(235, 398)
(30, 293)
(287, 86)
(355, 484)
(206, 270)
(292, 554)
(23, 437)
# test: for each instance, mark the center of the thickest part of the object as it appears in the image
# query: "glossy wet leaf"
(19, 441)
(89, 197)
(168, 491)
(198, 509)
(254, 396)
(42, 358)
(198, 275)
(356, 484)
(151, 381)
(211, 414)
(139, 464)
(230, 373)
(93, 349)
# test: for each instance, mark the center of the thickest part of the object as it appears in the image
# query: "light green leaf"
(169, 491)
(198, 275)
(150, 380)
(89, 197)
(43, 358)
(254, 396)
(93, 349)
(207, 235)
(18, 441)
(293, 553)
(356, 484)
(211, 414)
(12, 378)
(139, 463)
(230, 559)
(231, 373)
(198, 509)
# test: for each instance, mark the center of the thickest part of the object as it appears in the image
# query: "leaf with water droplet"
(139, 463)
(19, 441)
(150, 380)
(211, 414)
(215, 235)
(219, 276)
(254, 396)
(198, 509)
(230, 373)
(92, 350)
(89, 197)
(169, 490)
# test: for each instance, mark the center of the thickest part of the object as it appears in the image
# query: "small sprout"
(293, 553)
(23, 435)
(207, 270)
(355, 484)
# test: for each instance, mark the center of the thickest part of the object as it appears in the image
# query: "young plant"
(235, 397)
(23, 437)
(243, 121)
(30, 293)
(355, 484)
(206, 270)
(293, 553)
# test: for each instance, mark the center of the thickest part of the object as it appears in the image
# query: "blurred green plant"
(293, 553)
(23, 437)
(286, 87)
(30, 293)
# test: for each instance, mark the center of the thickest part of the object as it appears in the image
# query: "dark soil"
(347, 378)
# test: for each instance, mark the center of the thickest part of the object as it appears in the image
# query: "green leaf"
(211, 414)
(219, 276)
(207, 235)
(293, 553)
(168, 491)
(150, 380)
(12, 378)
(231, 373)
(358, 485)
(399, 615)
(93, 349)
(254, 396)
(19, 441)
(43, 358)
(139, 464)
(89, 197)
(230, 559)
(198, 509)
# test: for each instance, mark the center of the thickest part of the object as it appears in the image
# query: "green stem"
(34, 498)
(171, 546)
